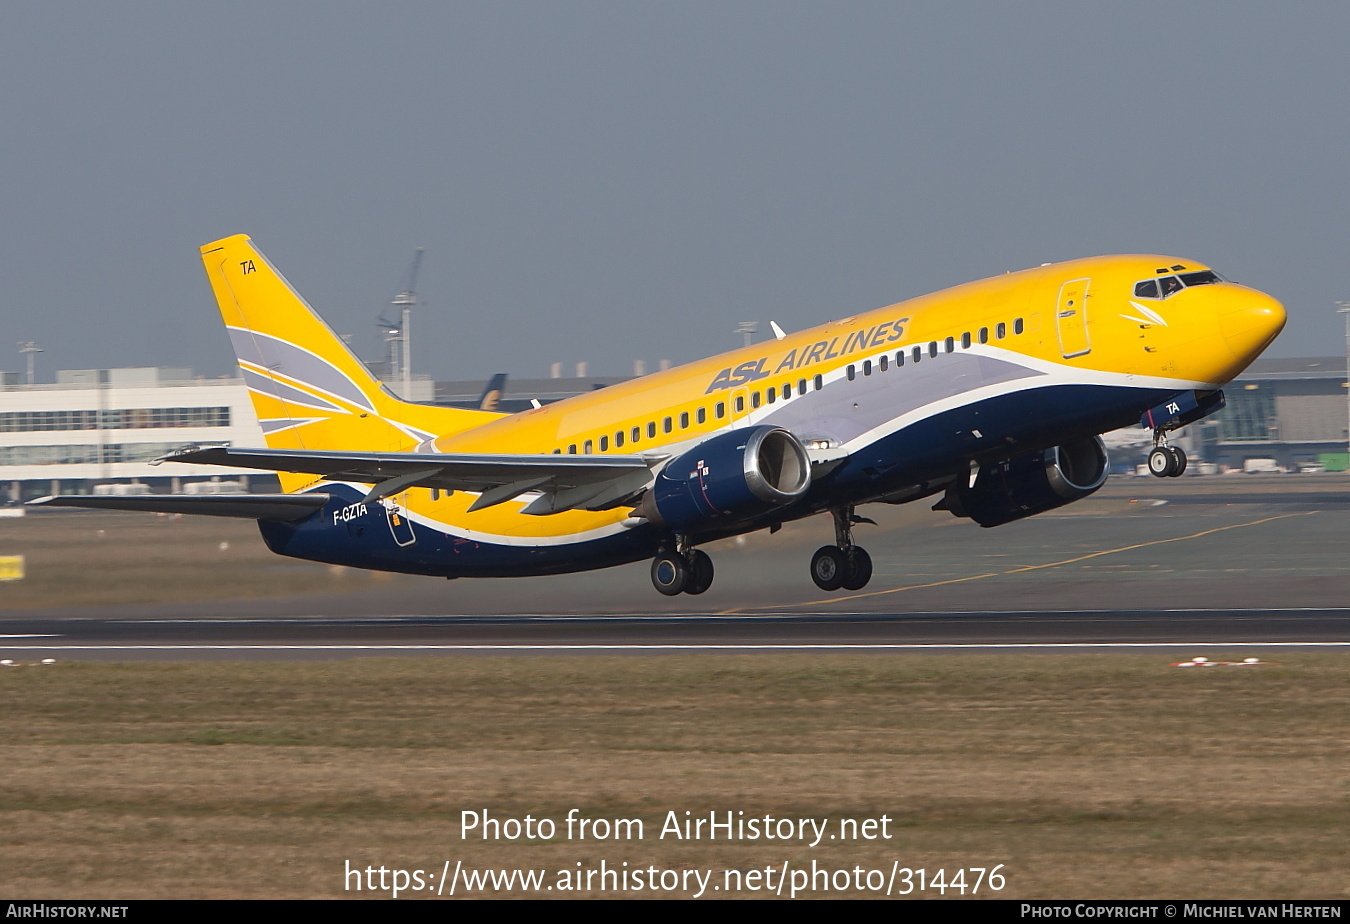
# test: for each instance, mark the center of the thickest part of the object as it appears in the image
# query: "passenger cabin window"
(684, 420)
(604, 443)
(1018, 326)
(754, 399)
(587, 448)
(1001, 330)
(772, 395)
(618, 440)
(637, 434)
(965, 340)
(951, 344)
(740, 404)
(900, 357)
(867, 367)
(703, 415)
(820, 382)
(668, 425)
(852, 372)
(984, 335)
(651, 430)
(918, 353)
(883, 363)
(571, 449)
(720, 409)
(932, 350)
(801, 386)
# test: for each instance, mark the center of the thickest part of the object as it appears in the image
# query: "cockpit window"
(1146, 289)
(1202, 278)
(1170, 285)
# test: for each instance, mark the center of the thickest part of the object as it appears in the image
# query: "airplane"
(992, 394)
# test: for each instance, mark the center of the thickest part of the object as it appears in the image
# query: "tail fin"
(491, 399)
(308, 389)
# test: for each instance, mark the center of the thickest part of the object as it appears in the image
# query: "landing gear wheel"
(828, 567)
(670, 573)
(857, 568)
(1178, 462)
(700, 572)
(1161, 461)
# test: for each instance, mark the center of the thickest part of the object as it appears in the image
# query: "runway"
(1203, 562)
(312, 637)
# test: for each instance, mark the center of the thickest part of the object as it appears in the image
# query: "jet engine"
(730, 477)
(1029, 484)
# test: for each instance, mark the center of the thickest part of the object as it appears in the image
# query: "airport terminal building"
(104, 427)
(99, 430)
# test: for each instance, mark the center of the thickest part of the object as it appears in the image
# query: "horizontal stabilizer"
(245, 506)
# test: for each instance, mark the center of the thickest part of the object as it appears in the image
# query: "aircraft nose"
(1250, 321)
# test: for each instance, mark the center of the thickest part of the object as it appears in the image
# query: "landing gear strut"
(1165, 461)
(843, 564)
(682, 570)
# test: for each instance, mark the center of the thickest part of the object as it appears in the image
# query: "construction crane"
(401, 361)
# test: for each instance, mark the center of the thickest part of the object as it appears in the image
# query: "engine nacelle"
(1031, 484)
(733, 476)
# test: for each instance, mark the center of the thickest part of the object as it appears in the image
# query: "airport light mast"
(404, 301)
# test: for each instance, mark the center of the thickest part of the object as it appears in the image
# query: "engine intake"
(1029, 484)
(732, 476)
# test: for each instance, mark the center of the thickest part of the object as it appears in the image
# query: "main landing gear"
(682, 570)
(843, 564)
(1165, 461)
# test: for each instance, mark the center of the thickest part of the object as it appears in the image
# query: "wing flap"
(245, 506)
(568, 482)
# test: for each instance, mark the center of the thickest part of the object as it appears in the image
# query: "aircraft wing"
(564, 482)
(247, 506)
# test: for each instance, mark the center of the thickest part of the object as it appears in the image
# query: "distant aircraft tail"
(491, 399)
(308, 389)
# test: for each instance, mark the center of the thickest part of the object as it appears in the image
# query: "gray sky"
(611, 181)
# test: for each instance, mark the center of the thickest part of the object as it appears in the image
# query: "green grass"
(1088, 776)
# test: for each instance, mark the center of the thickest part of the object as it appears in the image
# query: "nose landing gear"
(843, 564)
